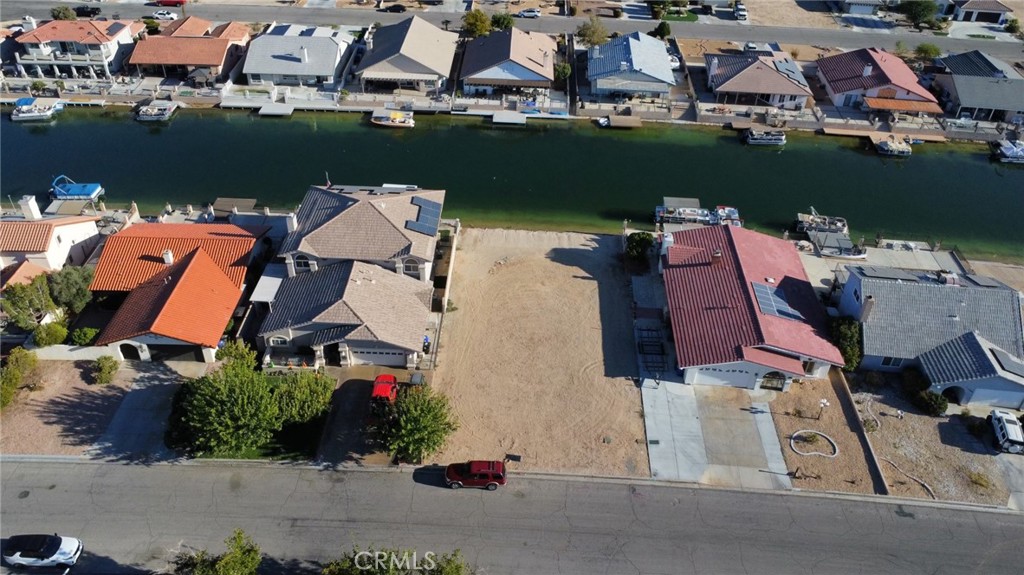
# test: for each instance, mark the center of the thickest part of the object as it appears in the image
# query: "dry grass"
(791, 14)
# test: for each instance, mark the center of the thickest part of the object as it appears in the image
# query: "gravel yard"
(791, 13)
(537, 356)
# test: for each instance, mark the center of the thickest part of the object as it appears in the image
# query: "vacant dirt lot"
(940, 451)
(537, 356)
(790, 13)
(1010, 275)
(797, 410)
(63, 414)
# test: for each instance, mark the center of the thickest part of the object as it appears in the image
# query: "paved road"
(131, 517)
(12, 9)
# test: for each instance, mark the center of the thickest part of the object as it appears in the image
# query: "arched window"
(411, 267)
(301, 262)
(278, 341)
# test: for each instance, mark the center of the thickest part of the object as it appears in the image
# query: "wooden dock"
(874, 135)
(277, 109)
(624, 122)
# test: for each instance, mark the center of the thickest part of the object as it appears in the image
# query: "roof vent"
(716, 256)
(770, 280)
(168, 257)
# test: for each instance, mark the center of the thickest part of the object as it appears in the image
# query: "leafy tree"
(52, 333)
(502, 21)
(243, 557)
(637, 245)
(592, 32)
(62, 13)
(69, 287)
(37, 87)
(104, 369)
(1012, 26)
(84, 335)
(26, 304)
(476, 24)
(926, 51)
(846, 335)
(931, 403)
(918, 10)
(152, 26)
(662, 30)
(230, 410)
(20, 364)
(236, 351)
(422, 422)
(562, 71)
(900, 49)
(303, 397)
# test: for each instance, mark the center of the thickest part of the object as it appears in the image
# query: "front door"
(773, 380)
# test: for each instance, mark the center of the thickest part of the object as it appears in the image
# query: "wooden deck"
(874, 135)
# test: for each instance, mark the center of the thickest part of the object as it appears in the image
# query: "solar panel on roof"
(428, 218)
(421, 228)
(1008, 362)
(887, 273)
(983, 281)
(772, 301)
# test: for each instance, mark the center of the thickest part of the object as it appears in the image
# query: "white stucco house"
(79, 48)
(509, 60)
(45, 241)
(970, 370)
(291, 54)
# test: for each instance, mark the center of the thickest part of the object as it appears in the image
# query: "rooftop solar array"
(772, 301)
(983, 281)
(1009, 363)
(887, 273)
(428, 219)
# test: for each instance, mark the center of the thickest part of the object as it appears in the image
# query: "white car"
(164, 15)
(674, 62)
(741, 13)
(1009, 434)
(529, 13)
(42, 551)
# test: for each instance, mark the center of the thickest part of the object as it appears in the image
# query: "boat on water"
(726, 216)
(393, 118)
(815, 222)
(36, 109)
(837, 245)
(681, 215)
(764, 138)
(156, 111)
(1009, 151)
(892, 146)
(64, 188)
(620, 122)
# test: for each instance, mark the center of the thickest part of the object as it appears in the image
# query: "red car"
(385, 389)
(486, 474)
(177, 3)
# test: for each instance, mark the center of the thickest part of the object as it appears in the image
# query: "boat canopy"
(24, 102)
(66, 189)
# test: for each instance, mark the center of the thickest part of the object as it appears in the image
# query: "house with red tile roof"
(21, 273)
(743, 313)
(875, 80)
(47, 242)
(180, 312)
(77, 47)
(188, 48)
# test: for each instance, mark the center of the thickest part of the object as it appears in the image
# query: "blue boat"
(35, 109)
(64, 188)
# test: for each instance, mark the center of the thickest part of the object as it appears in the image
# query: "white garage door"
(378, 357)
(993, 398)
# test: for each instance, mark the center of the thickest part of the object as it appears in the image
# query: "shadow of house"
(954, 433)
(346, 438)
(82, 415)
(600, 260)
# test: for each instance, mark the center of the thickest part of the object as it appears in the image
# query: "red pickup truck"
(178, 3)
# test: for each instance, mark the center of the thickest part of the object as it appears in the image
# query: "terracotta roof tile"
(715, 316)
(33, 236)
(80, 31)
(180, 51)
(190, 301)
(191, 26)
(136, 254)
(234, 31)
(845, 72)
(22, 272)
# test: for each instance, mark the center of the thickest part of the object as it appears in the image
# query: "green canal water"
(551, 175)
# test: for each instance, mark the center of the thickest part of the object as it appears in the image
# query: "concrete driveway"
(1013, 471)
(137, 431)
(977, 29)
(712, 435)
(346, 439)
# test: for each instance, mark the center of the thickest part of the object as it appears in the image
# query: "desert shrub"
(84, 335)
(1012, 26)
(845, 333)
(50, 334)
(20, 363)
(980, 479)
(616, 12)
(965, 413)
(931, 403)
(104, 368)
(874, 380)
(870, 425)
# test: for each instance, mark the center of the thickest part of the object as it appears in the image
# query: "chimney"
(168, 257)
(29, 208)
(714, 67)
(188, 208)
(716, 256)
(305, 55)
(623, 66)
(865, 310)
(867, 70)
(28, 24)
(266, 211)
(293, 222)
(313, 266)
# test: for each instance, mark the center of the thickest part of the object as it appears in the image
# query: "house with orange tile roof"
(47, 242)
(180, 312)
(21, 273)
(875, 80)
(188, 48)
(79, 48)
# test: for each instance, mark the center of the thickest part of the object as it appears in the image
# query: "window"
(255, 78)
(892, 361)
(278, 341)
(60, 240)
(301, 262)
(856, 295)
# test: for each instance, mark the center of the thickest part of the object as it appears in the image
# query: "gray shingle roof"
(635, 52)
(273, 54)
(978, 63)
(961, 359)
(354, 300)
(353, 223)
(910, 318)
(990, 93)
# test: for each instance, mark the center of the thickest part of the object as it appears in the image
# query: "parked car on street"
(42, 551)
(396, 8)
(484, 474)
(1009, 434)
(87, 11)
(164, 15)
(529, 13)
(178, 3)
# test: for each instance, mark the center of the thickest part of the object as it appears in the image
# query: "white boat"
(843, 254)
(765, 138)
(682, 215)
(604, 122)
(35, 109)
(156, 111)
(815, 222)
(1009, 151)
(892, 146)
(726, 216)
(393, 118)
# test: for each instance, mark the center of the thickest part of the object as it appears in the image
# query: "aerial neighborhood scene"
(511, 286)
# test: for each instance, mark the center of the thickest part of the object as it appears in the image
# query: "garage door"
(176, 352)
(992, 17)
(991, 398)
(378, 357)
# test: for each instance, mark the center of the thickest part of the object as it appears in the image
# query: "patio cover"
(902, 105)
(394, 76)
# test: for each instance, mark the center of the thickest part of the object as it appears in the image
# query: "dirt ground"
(693, 49)
(63, 415)
(790, 13)
(937, 450)
(798, 409)
(488, 6)
(1010, 275)
(538, 354)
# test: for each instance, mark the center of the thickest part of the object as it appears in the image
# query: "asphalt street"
(14, 9)
(133, 517)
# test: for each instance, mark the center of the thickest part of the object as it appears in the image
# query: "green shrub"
(845, 333)
(870, 425)
(616, 12)
(874, 380)
(931, 403)
(914, 382)
(104, 368)
(637, 245)
(20, 364)
(1012, 26)
(84, 335)
(50, 334)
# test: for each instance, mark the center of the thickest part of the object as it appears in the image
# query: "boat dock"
(506, 117)
(276, 109)
(876, 135)
(624, 122)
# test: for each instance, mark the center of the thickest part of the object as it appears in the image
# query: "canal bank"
(550, 175)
